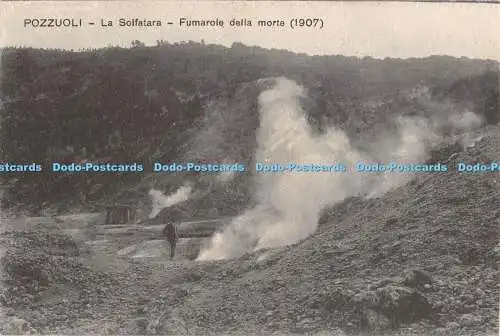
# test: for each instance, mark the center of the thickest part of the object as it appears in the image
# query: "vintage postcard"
(249, 168)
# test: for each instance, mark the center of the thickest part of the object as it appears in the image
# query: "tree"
(138, 44)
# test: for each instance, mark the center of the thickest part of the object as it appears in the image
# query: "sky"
(375, 29)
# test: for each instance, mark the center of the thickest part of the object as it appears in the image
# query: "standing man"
(170, 231)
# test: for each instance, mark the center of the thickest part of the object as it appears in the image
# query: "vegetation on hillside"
(146, 103)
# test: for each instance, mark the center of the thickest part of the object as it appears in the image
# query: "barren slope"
(443, 224)
(421, 260)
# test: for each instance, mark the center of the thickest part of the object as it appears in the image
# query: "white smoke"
(464, 125)
(417, 136)
(225, 176)
(466, 121)
(453, 123)
(160, 201)
(288, 205)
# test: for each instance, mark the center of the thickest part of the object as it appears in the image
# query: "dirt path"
(125, 283)
(128, 284)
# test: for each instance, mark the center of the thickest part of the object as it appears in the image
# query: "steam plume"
(288, 204)
(160, 201)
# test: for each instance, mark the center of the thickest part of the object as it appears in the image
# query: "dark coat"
(170, 231)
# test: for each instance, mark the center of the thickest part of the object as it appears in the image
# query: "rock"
(439, 283)
(404, 304)
(305, 324)
(17, 326)
(142, 324)
(416, 278)
(375, 320)
(441, 331)
(468, 320)
(468, 308)
(334, 332)
(468, 298)
(452, 325)
(379, 283)
(472, 255)
(438, 306)
(480, 292)
(398, 304)
(29, 297)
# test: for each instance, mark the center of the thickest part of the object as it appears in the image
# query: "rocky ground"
(421, 260)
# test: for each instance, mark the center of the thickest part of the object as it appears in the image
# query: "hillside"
(323, 253)
(147, 104)
(424, 257)
(420, 260)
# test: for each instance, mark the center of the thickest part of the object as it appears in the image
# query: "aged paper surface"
(218, 167)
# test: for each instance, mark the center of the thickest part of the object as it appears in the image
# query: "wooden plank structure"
(119, 214)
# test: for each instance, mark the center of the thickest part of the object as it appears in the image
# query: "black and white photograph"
(249, 168)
